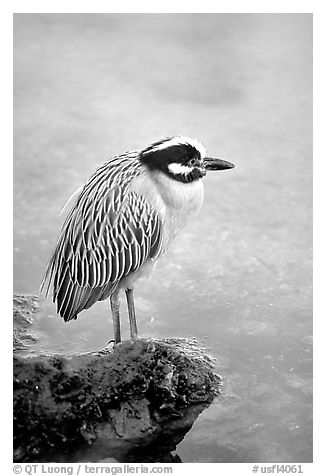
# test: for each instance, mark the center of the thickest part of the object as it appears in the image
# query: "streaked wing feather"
(110, 232)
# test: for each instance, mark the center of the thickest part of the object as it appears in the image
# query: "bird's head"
(181, 158)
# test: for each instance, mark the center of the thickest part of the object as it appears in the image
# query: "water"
(239, 278)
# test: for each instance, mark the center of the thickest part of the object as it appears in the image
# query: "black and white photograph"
(162, 240)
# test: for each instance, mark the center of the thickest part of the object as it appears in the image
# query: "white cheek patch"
(177, 169)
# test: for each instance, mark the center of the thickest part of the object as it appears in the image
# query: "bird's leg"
(132, 315)
(115, 305)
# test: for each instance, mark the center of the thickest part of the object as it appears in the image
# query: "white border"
(204, 6)
(168, 6)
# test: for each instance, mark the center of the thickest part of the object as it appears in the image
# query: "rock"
(25, 305)
(109, 402)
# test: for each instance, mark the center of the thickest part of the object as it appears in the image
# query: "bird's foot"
(110, 344)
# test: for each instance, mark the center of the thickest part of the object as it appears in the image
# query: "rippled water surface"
(239, 278)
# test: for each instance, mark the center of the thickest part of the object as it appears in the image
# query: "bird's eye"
(192, 162)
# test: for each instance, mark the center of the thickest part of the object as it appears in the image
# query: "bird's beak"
(211, 163)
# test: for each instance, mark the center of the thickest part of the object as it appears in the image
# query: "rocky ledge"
(135, 401)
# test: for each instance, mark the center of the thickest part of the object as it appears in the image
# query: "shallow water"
(239, 278)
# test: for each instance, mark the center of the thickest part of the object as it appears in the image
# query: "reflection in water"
(239, 278)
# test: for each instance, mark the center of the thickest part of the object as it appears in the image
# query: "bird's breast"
(175, 202)
(182, 200)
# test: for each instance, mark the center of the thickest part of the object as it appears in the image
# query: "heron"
(122, 220)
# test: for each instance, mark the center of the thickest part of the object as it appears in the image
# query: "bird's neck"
(177, 195)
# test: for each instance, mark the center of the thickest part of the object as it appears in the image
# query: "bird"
(122, 221)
